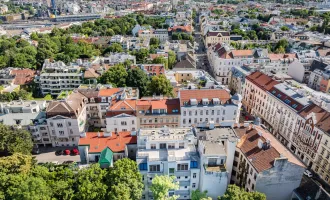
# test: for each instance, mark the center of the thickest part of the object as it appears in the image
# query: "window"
(162, 146)
(235, 164)
(171, 170)
(193, 185)
(71, 131)
(51, 124)
(249, 181)
(132, 121)
(60, 125)
(61, 132)
(152, 146)
(143, 166)
(212, 161)
(69, 123)
(171, 146)
(182, 167)
(181, 145)
(252, 187)
(255, 176)
(154, 168)
(193, 164)
(236, 154)
(123, 123)
(194, 175)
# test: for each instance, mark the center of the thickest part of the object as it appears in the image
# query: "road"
(200, 52)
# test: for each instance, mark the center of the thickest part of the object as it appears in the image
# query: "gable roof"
(124, 105)
(115, 142)
(199, 94)
(322, 117)
(262, 80)
(106, 156)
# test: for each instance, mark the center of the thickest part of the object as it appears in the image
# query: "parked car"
(59, 152)
(66, 152)
(308, 173)
(35, 151)
(74, 152)
(68, 162)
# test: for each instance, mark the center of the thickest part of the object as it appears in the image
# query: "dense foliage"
(21, 178)
(233, 192)
(161, 185)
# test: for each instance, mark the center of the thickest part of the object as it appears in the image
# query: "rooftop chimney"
(98, 134)
(83, 135)
(260, 144)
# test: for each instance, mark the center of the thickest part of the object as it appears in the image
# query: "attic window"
(279, 95)
(294, 106)
(122, 108)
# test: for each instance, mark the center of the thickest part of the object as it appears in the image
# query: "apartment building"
(117, 58)
(203, 106)
(222, 58)
(263, 164)
(29, 115)
(256, 87)
(157, 112)
(121, 116)
(216, 147)
(284, 104)
(168, 151)
(105, 148)
(215, 37)
(310, 139)
(161, 34)
(56, 77)
(66, 120)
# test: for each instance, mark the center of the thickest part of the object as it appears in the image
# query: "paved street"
(48, 155)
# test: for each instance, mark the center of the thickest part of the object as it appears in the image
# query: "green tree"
(114, 48)
(198, 195)
(285, 28)
(141, 55)
(233, 192)
(109, 32)
(125, 180)
(90, 183)
(154, 42)
(138, 78)
(171, 59)
(160, 85)
(161, 60)
(161, 185)
(116, 76)
(15, 140)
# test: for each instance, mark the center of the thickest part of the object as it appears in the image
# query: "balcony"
(215, 169)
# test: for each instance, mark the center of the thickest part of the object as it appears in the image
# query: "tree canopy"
(116, 76)
(160, 85)
(161, 185)
(233, 192)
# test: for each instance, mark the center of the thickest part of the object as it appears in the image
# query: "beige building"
(158, 112)
(214, 37)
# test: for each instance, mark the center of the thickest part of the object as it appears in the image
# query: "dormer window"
(122, 108)
(205, 101)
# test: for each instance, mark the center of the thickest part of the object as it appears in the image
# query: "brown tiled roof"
(152, 69)
(90, 73)
(186, 95)
(182, 28)
(262, 80)
(273, 56)
(216, 33)
(23, 76)
(322, 116)
(124, 105)
(108, 92)
(117, 143)
(262, 158)
(242, 53)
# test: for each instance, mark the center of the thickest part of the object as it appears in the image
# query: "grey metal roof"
(291, 93)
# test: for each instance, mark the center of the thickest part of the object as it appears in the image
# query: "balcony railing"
(216, 168)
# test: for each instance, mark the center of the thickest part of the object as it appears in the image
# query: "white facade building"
(168, 151)
(203, 106)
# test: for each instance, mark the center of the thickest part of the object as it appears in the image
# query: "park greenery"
(282, 46)
(234, 192)
(118, 76)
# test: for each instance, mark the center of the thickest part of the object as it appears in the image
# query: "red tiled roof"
(186, 95)
(116, 143)
(262, 159)
(262, 80)
(124, 105)
(273, 56)
(108, 92)
(90, 73)
(216, 33)
(153, 69)
(182, 28)
(322, 116)
(156, 55)
(168, 104)
(242, 53)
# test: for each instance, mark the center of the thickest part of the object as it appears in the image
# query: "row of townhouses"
(293, 117)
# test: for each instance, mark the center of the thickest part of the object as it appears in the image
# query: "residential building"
(255, 93)
(215, 37)
(105, 148)
(29, 115)
(201, 107)
(180, 29)
(168, 151)
(121, 116)
(116, 58)
(216, 148)
(161, 34)
(66, 120)
(56, 77)
(156, 112)
(151, 69)
(264, 165)
(146, 34)
(310, 140)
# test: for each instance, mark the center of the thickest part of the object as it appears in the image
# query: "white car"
(308, 173)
